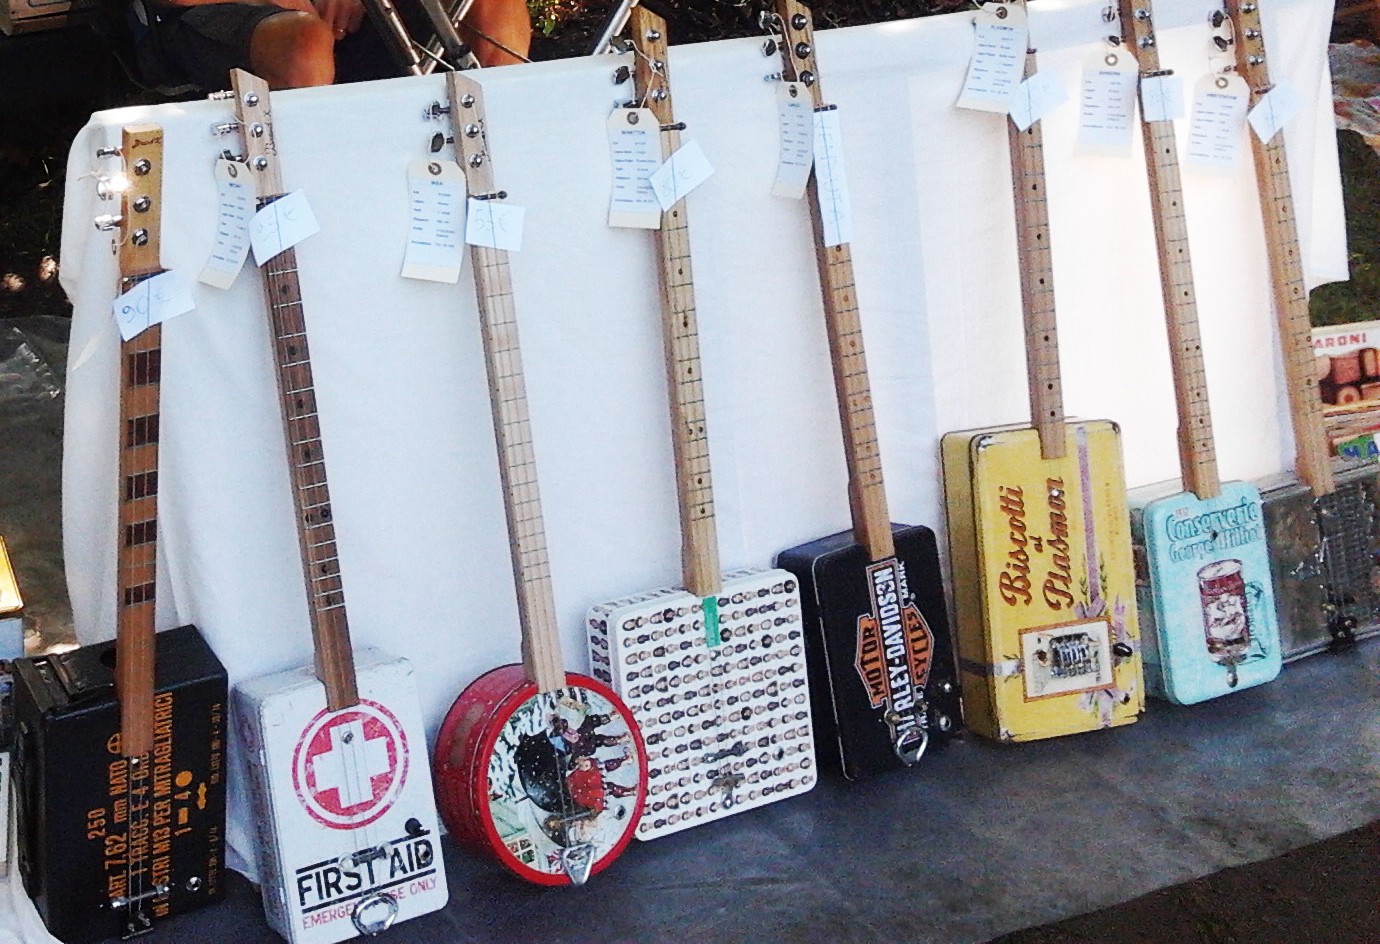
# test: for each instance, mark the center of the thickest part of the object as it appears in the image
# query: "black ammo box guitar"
(879, 648)
(120, 757)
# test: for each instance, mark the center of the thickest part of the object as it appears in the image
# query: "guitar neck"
(140, 375)
(680, 331)
(866, 489)
(1290, 293)
(541, 648)
(311, 498)
(1037, 282)
(1197, 453)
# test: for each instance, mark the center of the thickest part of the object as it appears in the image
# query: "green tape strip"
(711, 620)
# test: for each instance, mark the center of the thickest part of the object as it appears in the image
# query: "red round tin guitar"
(542, 769)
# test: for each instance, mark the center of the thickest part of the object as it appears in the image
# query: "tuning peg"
(220, 96)
(1221, 42)
(768, 47)
(434, 111)
(108, 152)
(108, 221)
(1216, 18)
(438, 141)
(621, 75)
(225, 127)
(108, 188)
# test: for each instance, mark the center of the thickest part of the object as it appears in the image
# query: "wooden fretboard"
(306, 458)
(680, 330)
(866, 490)
(1197, 454)
(1313, 455)
(1037, 280)
(140, 228)
(541, 645)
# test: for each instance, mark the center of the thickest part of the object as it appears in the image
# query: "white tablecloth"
(400, 375)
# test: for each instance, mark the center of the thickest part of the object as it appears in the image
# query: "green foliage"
(1359, 298)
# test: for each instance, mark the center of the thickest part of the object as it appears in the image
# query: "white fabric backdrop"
(399, 369)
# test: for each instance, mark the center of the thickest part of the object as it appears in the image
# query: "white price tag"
(1219, 118)
(1161, 98)
(493, 224)
(235, 198)
(835, 210)
(994, 72)
(635, 147)
(150, 302)
(1036, 97)
(436, 195)
(683, 171)
(795, 109)
(281, 225)
(1108, 107)
(1273, 111)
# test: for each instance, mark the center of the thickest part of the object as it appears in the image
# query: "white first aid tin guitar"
(340, 782)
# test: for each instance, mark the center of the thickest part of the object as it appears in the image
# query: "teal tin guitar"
(1203, 586)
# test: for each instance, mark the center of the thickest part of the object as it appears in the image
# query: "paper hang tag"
(831, 183)
(495, 225)
(683, 171)
(635, 148)
(1273, 111)
(994, 72)
(1161, 98)
(235, 201)
(1107, 111)
(281, 225)
(1219, 118)
(796, 114)
(152, 301)
(1036, 97)
(436, 195)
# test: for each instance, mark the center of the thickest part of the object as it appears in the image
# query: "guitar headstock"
(647, 31)
(255, 120)
(471, 143)
(138, 225)
(798, 46)
(1249, 41)
(1138, 33)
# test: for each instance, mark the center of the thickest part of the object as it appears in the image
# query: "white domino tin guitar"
(714, 670)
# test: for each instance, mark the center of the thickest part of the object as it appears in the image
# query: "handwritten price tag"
(152, 301)
(1036, 97)
(493, 224)
(835, 207)
(1161, 98)
(1273, 111)
(683, 171)
(281, 225)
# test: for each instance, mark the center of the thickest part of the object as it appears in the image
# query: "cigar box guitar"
(1206, 595)
(339, 785)
(1039, 536)
(1321, 527)
(120, 759)
(714, 669)
(542, 769)
(881, 657)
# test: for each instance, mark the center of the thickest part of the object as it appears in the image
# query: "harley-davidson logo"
(895, 645)
(350, 766)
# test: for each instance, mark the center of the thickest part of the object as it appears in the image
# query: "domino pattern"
(727, 727)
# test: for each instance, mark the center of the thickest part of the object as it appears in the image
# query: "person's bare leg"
(506, 21)
(293, 50)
